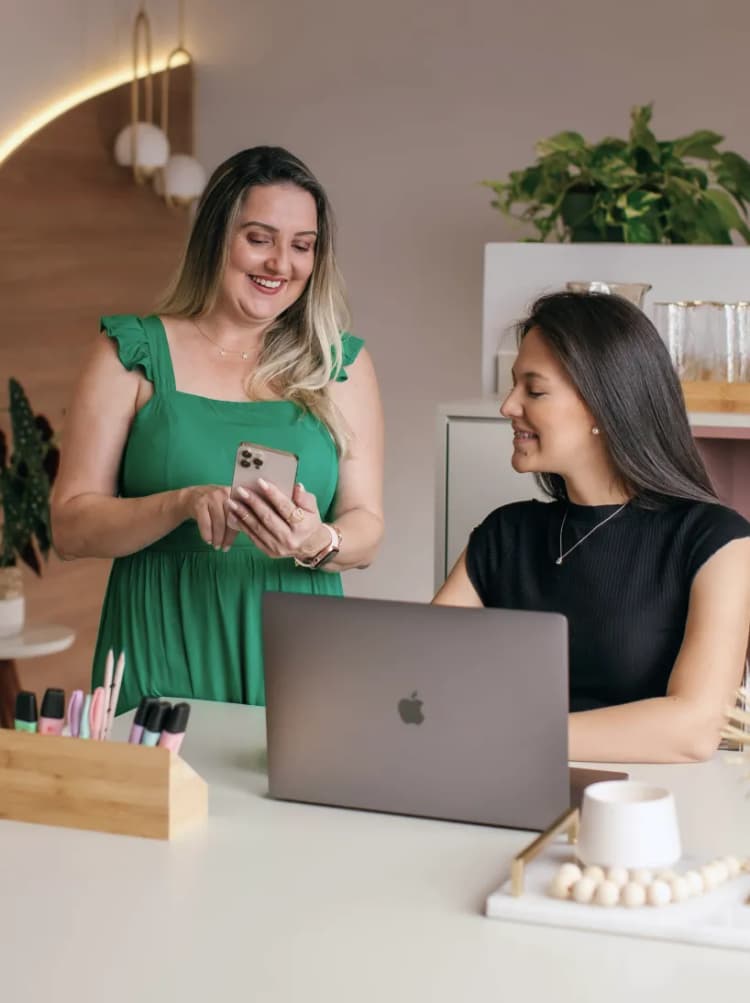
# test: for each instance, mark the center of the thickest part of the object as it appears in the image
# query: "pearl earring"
(594, 430)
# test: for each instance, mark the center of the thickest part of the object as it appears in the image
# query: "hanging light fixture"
(142, 145)
(183, 178)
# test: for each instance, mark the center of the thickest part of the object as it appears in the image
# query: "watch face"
(327, 557)
(324, 555)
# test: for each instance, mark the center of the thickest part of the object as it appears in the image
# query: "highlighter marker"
(155, 718)
(174, 727)
(96, 712)
(85, 731)
(136, 730)
(52, 717)
(26, 715)
(75, 707)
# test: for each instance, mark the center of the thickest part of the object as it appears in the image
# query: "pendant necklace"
(222, 351)
(561, 558)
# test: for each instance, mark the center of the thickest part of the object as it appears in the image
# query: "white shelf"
(36, 640)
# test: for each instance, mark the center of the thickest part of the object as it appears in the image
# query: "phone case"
(254, 461)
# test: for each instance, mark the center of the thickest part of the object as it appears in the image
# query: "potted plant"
(27, 472)
(639, 190)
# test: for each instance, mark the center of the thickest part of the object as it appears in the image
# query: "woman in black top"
(651, 571)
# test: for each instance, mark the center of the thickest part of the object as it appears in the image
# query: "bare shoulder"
(104, 380)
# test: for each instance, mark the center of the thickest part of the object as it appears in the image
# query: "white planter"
(12, 613)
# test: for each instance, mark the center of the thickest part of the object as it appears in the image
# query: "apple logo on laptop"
(410, 709)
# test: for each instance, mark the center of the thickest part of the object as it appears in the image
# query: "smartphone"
(253, 461)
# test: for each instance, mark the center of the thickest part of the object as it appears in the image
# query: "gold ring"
(296, 515)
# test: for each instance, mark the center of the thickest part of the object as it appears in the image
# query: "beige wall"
(400, 107)
(50, 48)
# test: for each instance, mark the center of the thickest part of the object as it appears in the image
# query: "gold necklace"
(222, 351)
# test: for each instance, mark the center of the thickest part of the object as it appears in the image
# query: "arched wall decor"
(77, 240)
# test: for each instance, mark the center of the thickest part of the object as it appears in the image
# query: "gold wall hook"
(141, 28)
(174, 54)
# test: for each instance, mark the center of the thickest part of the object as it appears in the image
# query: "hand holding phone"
(279, 515)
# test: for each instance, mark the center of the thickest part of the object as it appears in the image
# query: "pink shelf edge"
(719, 432)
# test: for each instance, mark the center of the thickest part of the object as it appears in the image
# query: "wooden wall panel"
(78, 239)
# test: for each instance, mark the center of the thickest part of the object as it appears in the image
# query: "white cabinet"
(474, 476)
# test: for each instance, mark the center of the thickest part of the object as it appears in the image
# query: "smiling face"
(271, 253)
(552, 425)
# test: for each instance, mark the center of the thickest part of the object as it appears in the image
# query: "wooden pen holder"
(711, 396)
(106, 786)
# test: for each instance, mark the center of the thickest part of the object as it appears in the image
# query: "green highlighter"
(26, 714)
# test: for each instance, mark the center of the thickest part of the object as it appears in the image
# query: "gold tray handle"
(568, 822)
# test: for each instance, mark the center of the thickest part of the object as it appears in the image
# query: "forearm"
(95, 525)
(361, 533)
(661, 730)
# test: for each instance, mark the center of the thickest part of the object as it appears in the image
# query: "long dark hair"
(622, 370)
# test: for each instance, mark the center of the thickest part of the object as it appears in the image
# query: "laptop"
(436, 711)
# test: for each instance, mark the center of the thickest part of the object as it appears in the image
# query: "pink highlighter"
(173, 731)
(52, 715)
(96, 712)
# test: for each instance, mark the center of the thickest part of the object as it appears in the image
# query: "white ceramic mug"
(625, 823)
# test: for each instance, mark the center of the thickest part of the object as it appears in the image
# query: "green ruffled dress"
(189, 617)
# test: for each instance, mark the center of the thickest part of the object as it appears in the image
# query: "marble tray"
(720, 918)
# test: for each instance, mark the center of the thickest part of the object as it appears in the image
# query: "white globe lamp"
(182, 180)
(148, 142)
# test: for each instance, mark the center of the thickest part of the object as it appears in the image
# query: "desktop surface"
(298, 902)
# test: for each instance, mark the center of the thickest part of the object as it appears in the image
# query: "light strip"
(101, 85)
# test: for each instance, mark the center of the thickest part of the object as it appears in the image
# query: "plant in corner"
(27, 472)
(639, 190)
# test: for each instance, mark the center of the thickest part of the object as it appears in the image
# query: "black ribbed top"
(625, 590)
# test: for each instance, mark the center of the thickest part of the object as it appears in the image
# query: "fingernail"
(301, 486)
(263, 484)
(217, 546)
(233, 504)
(243, 492)
(225, 549)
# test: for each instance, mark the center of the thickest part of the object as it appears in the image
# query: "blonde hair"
(302, 349)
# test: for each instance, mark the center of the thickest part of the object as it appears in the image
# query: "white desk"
(273, 901)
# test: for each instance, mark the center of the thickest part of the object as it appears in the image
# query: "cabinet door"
(479, 478)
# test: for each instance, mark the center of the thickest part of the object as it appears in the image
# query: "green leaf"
(25, 485)
(728, 211)
(637, 203)
(562, 142)
(617, 173)
(700, 144)
(640, 134)
(640, 231)
(733, 172)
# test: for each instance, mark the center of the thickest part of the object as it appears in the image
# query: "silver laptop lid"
(439, 711)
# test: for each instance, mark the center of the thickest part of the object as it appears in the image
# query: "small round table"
(32, 642)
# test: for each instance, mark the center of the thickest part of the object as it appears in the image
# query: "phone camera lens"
(246, 454)
(257, 463)
(245, 463)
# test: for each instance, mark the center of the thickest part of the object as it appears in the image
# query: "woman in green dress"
(248, 345)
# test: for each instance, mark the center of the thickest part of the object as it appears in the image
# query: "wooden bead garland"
(639, 887)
